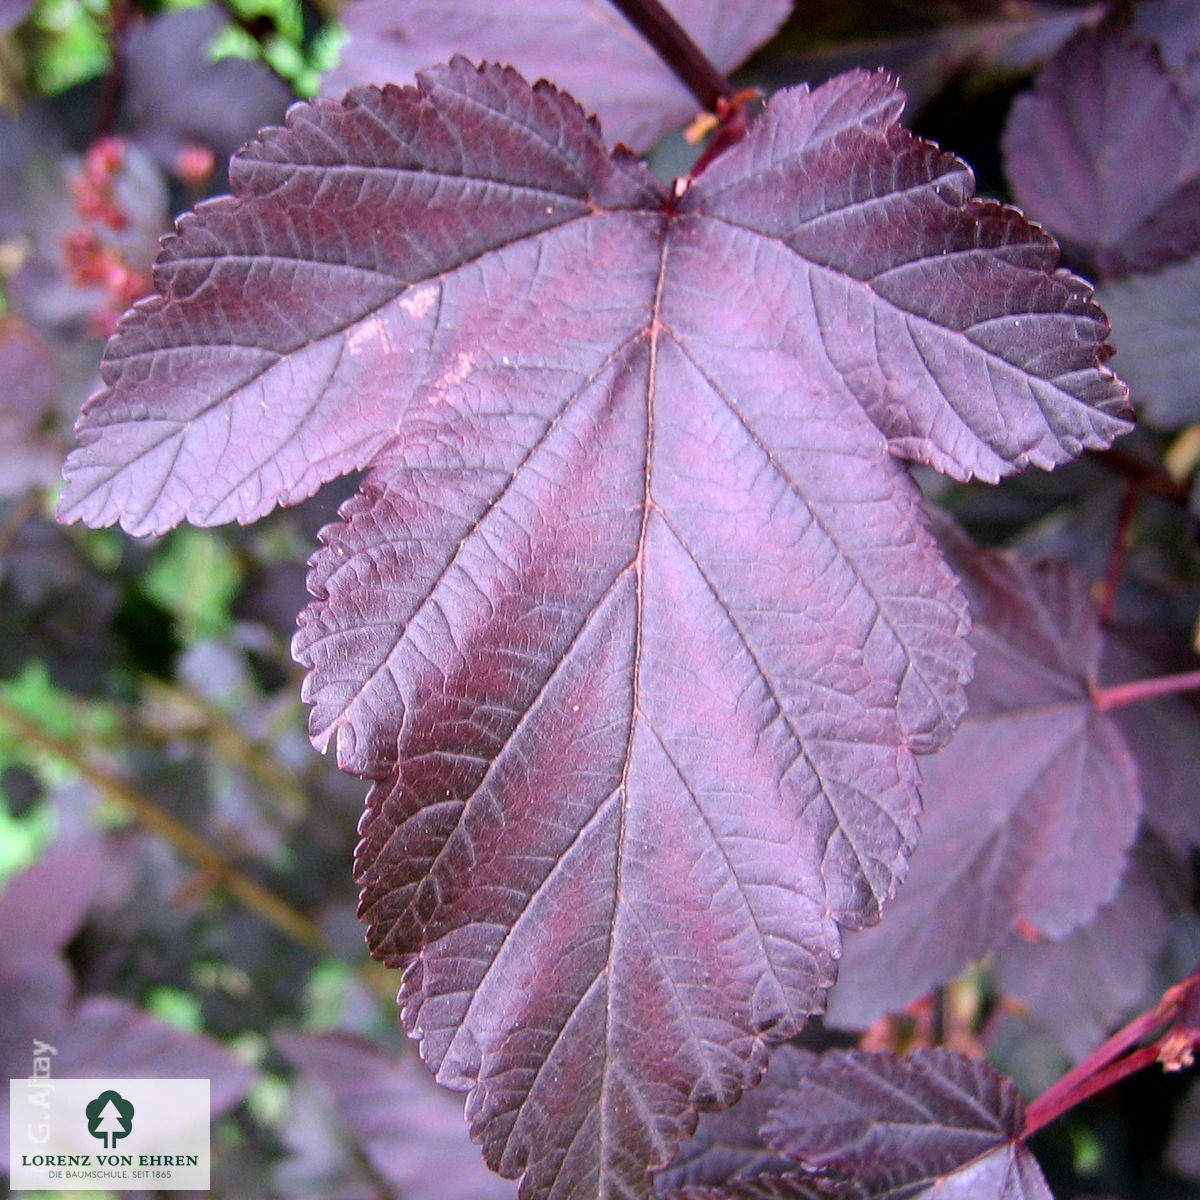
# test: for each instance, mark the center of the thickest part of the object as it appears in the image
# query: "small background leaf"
(620, 78)
(930, 1124)
(1106, 152)
(411, 1132)
(1002, 848)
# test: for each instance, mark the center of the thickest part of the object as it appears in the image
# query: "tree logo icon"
(109, 1117)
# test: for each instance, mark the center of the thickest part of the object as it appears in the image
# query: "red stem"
(1116, 559)
(1145, 476)
(1048, 1107)
(1120, 694)
(1109, 1063)
(676, 48)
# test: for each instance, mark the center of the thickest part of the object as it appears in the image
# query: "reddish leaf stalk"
(1116, 558)
(676, 48)
(114, 85)
(1120, 694)
(1114, 1060)
(732, 123)
(1147, 477)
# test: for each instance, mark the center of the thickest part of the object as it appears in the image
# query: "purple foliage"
(644, 554)
(636, 624)
(960, 342)
(176, 96)
(1001, 849)
(859, 1126)
(41, 910)
(411, 1131)
(1106, 152)
(931, 1124)
(1078, 988)
(727, 1154)
(1156, 316)
(619, 77)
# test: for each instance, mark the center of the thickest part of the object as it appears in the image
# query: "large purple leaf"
(1037, 841)
(619, 77)
(635, 623)
(932, 1124)
(1106, 152)
(727, 1158)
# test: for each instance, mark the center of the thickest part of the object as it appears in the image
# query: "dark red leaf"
(1106, 152)
(1157, 320)
(619, 77)
(932, 1124)
(176, 96)
(410, 1131)
(727, 1158)
(1029, 811)
(1078, 988)
(635, 624)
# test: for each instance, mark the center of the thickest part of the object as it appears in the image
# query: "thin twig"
(1115, 1059)
(676, 48)
(272, 908)
(1147, 477)
(21, 512)
(210, 724)
(1116, 558)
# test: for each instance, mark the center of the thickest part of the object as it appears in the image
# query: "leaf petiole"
(677, 49)
(1114, 1060)
(1121, 694)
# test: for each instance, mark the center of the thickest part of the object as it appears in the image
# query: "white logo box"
(149, 1135)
